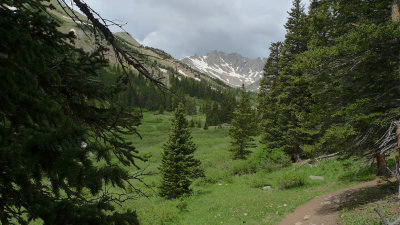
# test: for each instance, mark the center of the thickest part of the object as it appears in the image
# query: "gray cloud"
(187, 27)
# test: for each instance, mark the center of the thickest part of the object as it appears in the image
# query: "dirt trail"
(324, 209)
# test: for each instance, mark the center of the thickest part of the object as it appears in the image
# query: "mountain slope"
(156, 61)
(233, 69)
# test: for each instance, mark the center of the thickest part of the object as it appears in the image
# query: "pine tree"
(243, 127)
(205, 125)
(351, 65)
(179, 167)
(199, 123)
(192, 123)
(284, 97)
(161, 109)
(267, 98)
(55, 113)
(228, 105)
(296, 38)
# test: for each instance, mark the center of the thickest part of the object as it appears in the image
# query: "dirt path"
(324, 209)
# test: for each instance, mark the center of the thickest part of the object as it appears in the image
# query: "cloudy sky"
(188, 27)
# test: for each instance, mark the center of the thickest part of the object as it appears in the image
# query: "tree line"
(332, 84)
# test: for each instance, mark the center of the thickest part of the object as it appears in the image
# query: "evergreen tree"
(296, 38)
(205, 125)
(243, 127)
(228, 105)
(199, 123)
(284, 98)
(179, 167)
(213, 117)
(55, 113)
(192, 123)
(161, 110)
(350, 77)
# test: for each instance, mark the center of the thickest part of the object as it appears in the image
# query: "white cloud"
(186, 27)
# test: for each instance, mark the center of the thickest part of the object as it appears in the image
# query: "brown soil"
(324, 209)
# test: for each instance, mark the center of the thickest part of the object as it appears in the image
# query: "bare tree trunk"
(395, 10)
(385, 221)
(381, 164)
(398, 140)
(296, 155)
(396, 18)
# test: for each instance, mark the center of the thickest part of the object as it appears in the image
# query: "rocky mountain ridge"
(232, 68)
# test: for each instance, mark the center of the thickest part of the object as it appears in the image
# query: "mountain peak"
(231, 68)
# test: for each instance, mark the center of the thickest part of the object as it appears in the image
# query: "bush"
(291, 180)
(182, 204)
(244, 167)
(274, 159)
(213, 176)
(259, 180)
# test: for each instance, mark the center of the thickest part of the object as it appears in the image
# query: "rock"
(316, 178)
(327, 202)
(245, 214)
(298, 223)
(267, 188)
(306, 217)
(312, 164)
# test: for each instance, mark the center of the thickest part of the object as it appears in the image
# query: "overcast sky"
(188, 27)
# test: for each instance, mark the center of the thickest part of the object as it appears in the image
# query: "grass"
(359, 208)
(226, 196)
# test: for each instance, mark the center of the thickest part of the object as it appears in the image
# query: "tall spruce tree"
(228, 105)
(243, 127)
(58, 130)
(351, 75)
(179, 167)
(284, 97)
(267, 100)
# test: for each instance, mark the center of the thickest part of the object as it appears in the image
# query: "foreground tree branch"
(123, 57)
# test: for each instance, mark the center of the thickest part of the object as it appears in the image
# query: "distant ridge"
(232, 68)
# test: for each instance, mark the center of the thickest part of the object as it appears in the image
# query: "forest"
(119, 134)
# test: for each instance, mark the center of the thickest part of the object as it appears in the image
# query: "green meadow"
(233, 191)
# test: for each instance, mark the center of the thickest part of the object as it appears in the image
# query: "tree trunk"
(381, 163)
(396, 18)
(398, 142)
(296, 155)
(395, 10)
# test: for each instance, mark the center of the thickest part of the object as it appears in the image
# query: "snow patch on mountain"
(182, 73)
(233, 68)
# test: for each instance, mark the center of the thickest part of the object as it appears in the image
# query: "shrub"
(244, 167)
(259, 180)
(213, 176)
(182, 204)
(291, 180)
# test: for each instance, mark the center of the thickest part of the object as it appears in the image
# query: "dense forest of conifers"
(332, 85)
(217, 103)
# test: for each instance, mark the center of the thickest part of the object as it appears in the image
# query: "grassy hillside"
(232, 191)
(155, 60)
